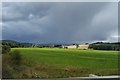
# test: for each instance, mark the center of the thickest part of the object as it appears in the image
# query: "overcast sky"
(42, 22)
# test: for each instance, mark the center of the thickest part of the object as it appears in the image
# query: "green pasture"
(71, 57)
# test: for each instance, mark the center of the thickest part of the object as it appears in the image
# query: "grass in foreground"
(54, 62)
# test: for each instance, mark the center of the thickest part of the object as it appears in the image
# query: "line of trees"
(15, 44)
(105, 46)
(95, 46)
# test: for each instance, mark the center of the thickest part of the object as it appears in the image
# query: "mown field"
(55, 62)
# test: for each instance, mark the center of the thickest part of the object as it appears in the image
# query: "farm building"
(81, 46)
(70, 46)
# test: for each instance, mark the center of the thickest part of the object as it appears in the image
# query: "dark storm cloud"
(59, 22)
(119, 21)
(21, 11)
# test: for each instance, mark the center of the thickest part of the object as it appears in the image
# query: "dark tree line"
(15, 44)
(105, 46)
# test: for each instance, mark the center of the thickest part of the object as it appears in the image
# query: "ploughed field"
(58, 62)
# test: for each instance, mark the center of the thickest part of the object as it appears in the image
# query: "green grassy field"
(93, 60)
(73, 57)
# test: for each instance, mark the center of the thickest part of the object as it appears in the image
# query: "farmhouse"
(81, 46)
(70, 46)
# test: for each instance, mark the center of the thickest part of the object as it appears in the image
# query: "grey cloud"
(21, 11)
(59, 22)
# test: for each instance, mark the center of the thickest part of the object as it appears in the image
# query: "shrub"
(5, 49)
(16, 57)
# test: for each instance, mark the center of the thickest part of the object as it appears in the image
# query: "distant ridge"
(9, 41)
(14, 43)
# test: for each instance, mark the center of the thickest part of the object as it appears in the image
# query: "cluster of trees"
(14, 44)
(105, 46)
(5, 49)
(11, 43)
